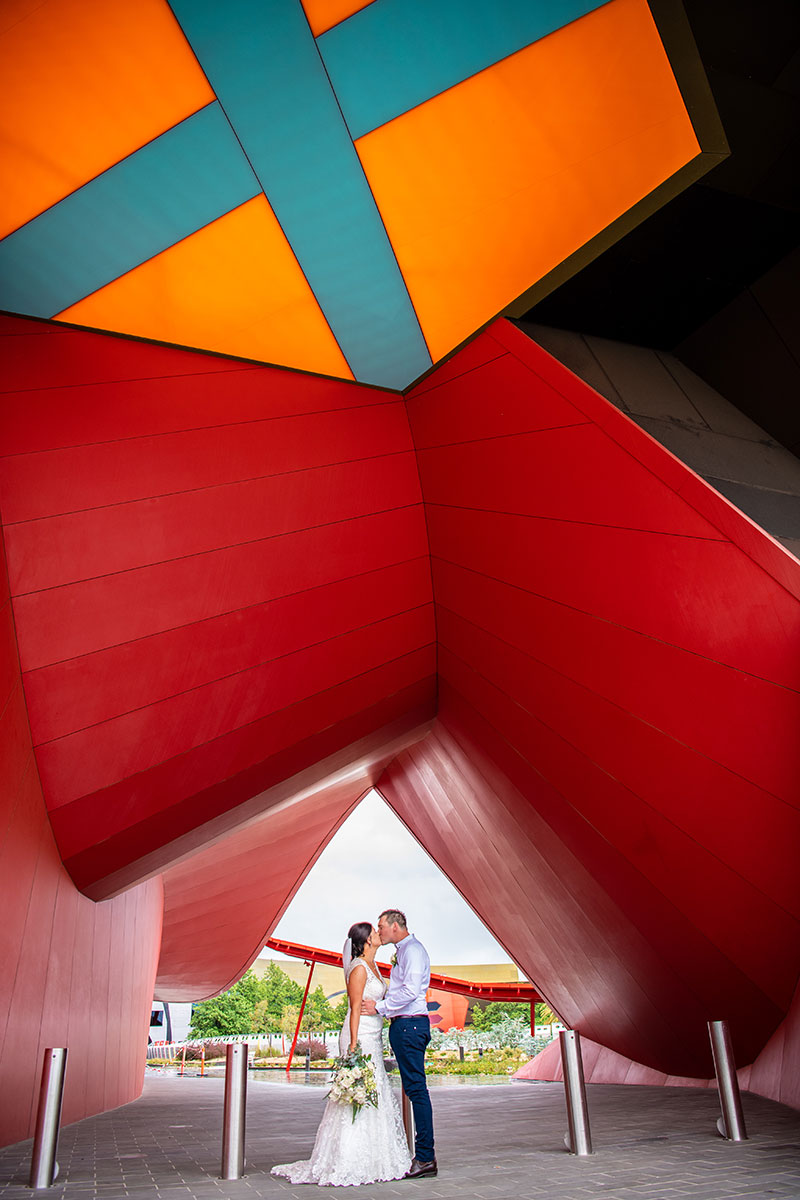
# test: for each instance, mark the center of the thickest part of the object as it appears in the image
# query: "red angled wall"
(240, 596)
(229, 898)
(219, 574)
(74, 973)
(613, 779)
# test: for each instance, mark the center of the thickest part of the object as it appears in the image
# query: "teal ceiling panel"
(167, 190)
(262, 61)
(395, 54)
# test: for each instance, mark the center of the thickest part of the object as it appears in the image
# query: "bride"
(372, 1147)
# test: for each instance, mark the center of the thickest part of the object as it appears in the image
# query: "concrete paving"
(493, 1143)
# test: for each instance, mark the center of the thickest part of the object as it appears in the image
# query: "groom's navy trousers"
(409, 1037)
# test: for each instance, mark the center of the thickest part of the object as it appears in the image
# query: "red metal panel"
(620, 968)
(699, 703)
(101, 869)
(526, 886)
(158, 792)
(76, 357)
(97, 757)
(635, 686)
(457, 409)
(751, 928)
(78, 1003)
(773, 1073)
(248, 502)
(48, 949)
(763, 549)
(56, 551)
(636, 880)
(618, 676)
(125, 389)
(66, 622)
(72, 695)
(480, 350)
(10, 326)
(44, 484)
(231, 896)
(663, 586)
(529, 474)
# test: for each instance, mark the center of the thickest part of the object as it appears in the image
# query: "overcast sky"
(370, 864)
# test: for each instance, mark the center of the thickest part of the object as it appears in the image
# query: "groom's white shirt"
(408, 983)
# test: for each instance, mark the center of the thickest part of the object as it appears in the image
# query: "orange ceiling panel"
(480, 201)
(91, 82)
(234, 287)
(324, 14)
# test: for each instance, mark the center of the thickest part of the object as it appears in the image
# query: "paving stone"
(493, 1143)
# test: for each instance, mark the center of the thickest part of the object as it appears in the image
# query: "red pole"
(299, 1019)
(203, 1060)
(183, 1059)
(533, 1019)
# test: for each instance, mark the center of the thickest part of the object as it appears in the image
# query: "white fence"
(258, 1043)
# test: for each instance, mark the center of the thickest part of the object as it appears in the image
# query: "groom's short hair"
(394, 917)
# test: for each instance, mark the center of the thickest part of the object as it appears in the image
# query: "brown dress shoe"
(418, 1169)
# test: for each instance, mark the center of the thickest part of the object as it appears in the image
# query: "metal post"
(579, 1139)
(731, 1123)
(233, 1120)
(44, 1167)
(408, 1121)
(461, 1053)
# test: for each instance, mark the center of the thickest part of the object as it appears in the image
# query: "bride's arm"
(355, 990)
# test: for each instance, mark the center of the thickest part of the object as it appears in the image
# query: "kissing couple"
(369, 1145)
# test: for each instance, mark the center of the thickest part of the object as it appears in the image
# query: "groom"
(406, 1007)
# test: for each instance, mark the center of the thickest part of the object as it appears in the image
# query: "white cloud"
(373, 863)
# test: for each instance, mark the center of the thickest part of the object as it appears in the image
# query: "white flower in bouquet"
(354, 1081)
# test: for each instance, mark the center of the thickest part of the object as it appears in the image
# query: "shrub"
(318, 1049)
(195, 1053)
(481, 1066)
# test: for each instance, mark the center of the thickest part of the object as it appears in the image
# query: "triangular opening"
(371, 863)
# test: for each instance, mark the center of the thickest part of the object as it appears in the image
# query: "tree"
(279, 991)
(269, 1004)
(263, 1021)
(340, 1012)
(289, 1019)
(318, 1012)
(496, 1010)
(545, 1014)
(230, 1013)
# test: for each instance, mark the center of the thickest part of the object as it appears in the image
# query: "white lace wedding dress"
(373, 1147)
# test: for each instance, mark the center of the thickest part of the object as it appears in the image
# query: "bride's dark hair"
(359, 933)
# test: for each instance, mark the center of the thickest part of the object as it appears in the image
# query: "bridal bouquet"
(354, 1080)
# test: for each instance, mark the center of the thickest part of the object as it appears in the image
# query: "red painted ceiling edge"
(525, 993)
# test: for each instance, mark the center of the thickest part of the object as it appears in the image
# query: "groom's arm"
(407, 985)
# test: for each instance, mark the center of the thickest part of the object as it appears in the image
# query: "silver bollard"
(44, 1167)
(731, 1124)
(408, 1121)
(233, 1120)
(579, 1139)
